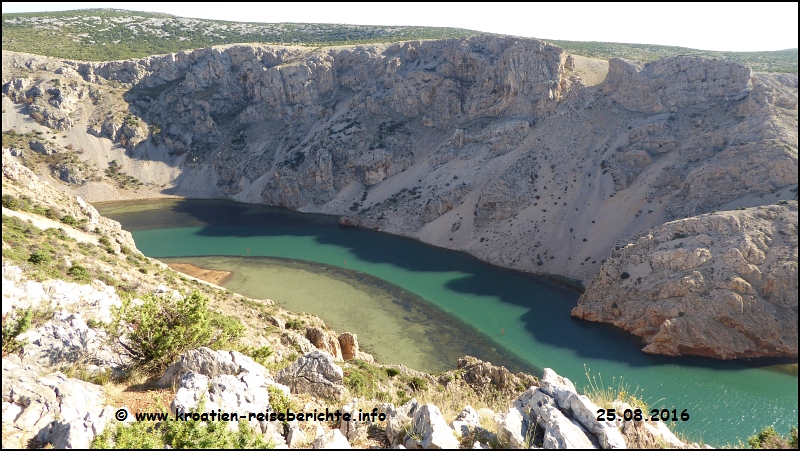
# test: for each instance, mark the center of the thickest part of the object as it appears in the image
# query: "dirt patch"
(209, 275)
(592, 71)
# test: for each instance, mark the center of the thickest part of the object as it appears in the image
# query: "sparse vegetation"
(604, 396)
(774, 61)
(108, 34)
(180, 434)
(769, 438)
(159, 329)
(12, 328)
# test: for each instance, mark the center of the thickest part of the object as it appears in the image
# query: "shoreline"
(558, 279)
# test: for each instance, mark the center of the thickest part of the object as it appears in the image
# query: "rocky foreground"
(66, 378)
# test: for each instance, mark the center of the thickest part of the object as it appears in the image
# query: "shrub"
(79, 273)
(769, 438)
(418, 384)
(294, 324)
(261, 354)
(51, 213)
(392, 372)
(13, 328)
(104, 241)
(39, 257)
(158, 330)
(180, 434)
(69, 220)
(10, 202)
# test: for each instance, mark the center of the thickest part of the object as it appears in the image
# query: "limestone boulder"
(398, 420)
(467, 419)
(581, 409)
(331, 439)
(52, 409)
(430, 431)
(314, 373)
(212, 364)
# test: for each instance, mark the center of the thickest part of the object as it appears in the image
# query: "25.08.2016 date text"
(638, 415)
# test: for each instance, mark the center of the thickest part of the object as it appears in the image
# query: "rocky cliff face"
(722, 285)
(487, 145)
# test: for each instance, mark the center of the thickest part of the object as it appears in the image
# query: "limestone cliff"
(489, 145)
(722, 285)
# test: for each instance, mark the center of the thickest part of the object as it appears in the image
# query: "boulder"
(331, 439)
(52, 409)
(431, 429)
(398, 420)
(354, 429)
(562, 432)
(294, 435)
(580, 408)
(314, 373)
(212, 364)
(466, 420)
(512, 429)
(324, 342)
(349, 344)
(643, 434)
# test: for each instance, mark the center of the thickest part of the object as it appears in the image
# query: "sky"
(708, 26)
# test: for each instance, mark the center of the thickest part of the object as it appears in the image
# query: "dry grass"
(138, 397)
(604, 395)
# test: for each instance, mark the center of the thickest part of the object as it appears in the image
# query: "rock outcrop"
(50, 410)
(721, 285)
(315, 374)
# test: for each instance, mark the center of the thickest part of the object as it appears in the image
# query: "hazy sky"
(707, 26)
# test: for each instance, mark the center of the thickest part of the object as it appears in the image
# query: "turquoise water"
(726, 401)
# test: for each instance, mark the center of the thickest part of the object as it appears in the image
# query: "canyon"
(490, 145)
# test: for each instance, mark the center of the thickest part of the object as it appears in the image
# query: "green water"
(468, 304)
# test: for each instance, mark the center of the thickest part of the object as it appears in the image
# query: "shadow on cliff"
(548, 303)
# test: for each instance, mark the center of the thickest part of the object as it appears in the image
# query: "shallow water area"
(524, 317)
(394, 325)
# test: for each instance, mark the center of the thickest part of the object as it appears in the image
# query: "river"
(424, 306)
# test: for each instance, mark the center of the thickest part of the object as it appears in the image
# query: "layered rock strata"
(722, 285)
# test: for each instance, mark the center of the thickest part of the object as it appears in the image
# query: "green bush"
(13, 328)
(418, 384)
(39, 257)
(51, 213)
(769, 438)
(158, 330)
(260, 355)
(180, 434)
(10, 202)
(295, 324)
(79, 273)
(69, 220)
(104, 240)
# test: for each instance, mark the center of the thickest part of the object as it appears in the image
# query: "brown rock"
(349, 345)
(324, 342)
